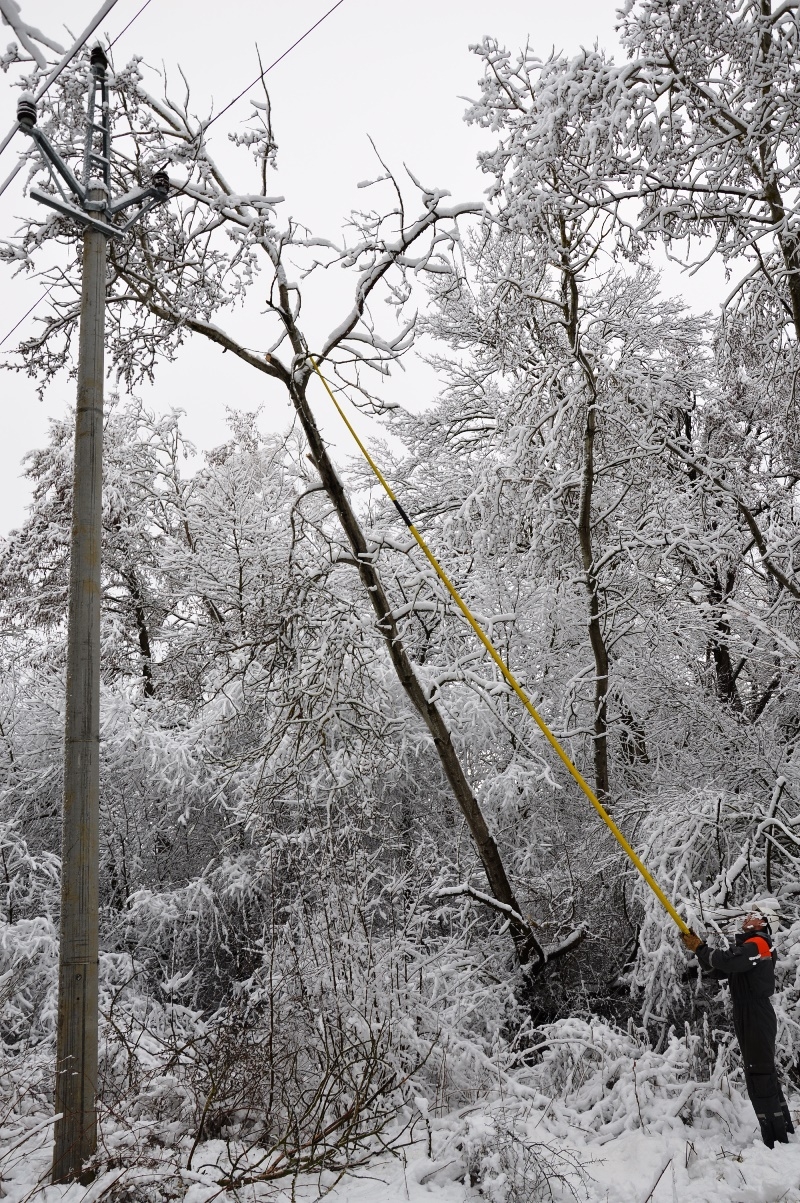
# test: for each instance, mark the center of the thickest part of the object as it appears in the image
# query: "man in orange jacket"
(750, 969)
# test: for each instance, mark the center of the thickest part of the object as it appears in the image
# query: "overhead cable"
(35, 304)
(506, 671)
(279, 59)
(127, 27)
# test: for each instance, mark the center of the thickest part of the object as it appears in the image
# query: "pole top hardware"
(26, 111)
(87, 198)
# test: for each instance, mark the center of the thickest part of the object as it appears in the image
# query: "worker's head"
(754, 922)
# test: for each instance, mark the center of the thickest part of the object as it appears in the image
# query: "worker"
(749, 967)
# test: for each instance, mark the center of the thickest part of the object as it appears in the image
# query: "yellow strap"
(507, 673)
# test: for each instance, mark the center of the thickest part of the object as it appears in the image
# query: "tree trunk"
(788, 242)
(727, 689)
(142, 633)
(596, 639)
(296, 380)
(525, 943)
(599, 650)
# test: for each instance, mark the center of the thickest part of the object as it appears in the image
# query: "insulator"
(161, 181)
(98, 58)
(26, 111)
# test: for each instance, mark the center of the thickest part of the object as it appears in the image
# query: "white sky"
(393, 71)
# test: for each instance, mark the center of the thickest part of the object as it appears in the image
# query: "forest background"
(349, 900)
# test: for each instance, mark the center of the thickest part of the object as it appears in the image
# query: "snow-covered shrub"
(335, 1004)
(28, 975)
(28, 941)
(616, 1082)
(28, 970)
(508, 1164)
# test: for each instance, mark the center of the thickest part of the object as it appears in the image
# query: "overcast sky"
(396, 72)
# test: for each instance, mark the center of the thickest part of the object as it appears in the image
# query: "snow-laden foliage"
(324, 814)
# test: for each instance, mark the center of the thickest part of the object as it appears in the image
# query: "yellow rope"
(506, 671)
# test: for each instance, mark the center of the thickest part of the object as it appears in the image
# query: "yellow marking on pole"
(506, 671)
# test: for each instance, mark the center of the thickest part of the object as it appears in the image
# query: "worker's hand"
(691, 941)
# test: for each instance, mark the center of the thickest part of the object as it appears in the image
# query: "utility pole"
(90, 205)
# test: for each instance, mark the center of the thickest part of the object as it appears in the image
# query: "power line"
(261, 75)
(280, 59)
(127, 27)
(35, 304)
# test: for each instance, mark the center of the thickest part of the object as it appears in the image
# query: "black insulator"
(26, 112)
(98, 58)
(161, 181)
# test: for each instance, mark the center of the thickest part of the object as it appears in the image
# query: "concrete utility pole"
(76, 1054)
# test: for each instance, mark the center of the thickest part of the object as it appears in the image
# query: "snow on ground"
(681, 1166)
(598, 1116)
(632, 1168)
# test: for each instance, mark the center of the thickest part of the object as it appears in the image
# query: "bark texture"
(602, 781)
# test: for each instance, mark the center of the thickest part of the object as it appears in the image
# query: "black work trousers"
(756, 1028)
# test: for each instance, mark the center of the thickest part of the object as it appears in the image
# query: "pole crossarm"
(25, 111)
(154, 195)
(506, 672)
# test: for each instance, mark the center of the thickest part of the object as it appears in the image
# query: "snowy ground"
(634, 1167)
(598, 1116)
